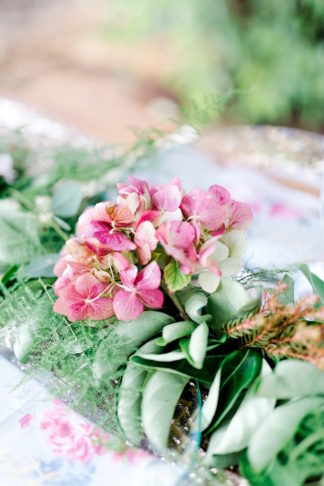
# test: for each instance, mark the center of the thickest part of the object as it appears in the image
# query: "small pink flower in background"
(177, 239)
(131, 455)
(284, 211)
(25, 420)
(138, 290)
(73, 440)
(83, 300)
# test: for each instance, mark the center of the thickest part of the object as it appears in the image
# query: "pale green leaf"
(210, 405)
(42, 266)
(160, 397)
(67, 198)
(198, 344)
(175, 331)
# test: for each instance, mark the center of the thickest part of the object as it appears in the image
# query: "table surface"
(41, 440)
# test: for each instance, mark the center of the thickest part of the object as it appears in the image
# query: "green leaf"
(316, 283)
(198, 344)
(292, 378)
(129, 402)
(175, 331)
(42, 266)
(160, 397)
(239, 370)
(183, 368)
(210, 405)
(194, 302)
(162, 358)
(63, 224)
(67, 198)
(277, 429)
(128, 337)
(231, 300)
(234, 436)
(174, 278)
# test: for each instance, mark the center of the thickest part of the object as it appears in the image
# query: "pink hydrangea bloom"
(146, 241)
(83, 300)
(108, 221)
(135, 194)
(168, 197)
(138, 290)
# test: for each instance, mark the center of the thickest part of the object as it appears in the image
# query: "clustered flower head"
(114, 267)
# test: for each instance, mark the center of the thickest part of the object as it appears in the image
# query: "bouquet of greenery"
(156, 331)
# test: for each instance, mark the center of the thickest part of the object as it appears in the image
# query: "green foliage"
(174, 278)
(67, 199)
(268, 52)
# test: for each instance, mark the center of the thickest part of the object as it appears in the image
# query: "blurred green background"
(264, 57)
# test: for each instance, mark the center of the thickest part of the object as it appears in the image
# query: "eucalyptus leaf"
(210, 405)
(128, 336)
(175, 331)
(198, 344)
(129, 402)
(63, 224)
(194, 302)
(160, 397)
(292, 378)
(231, 300)
(42, 266)
(162, 358)
(67, 199)
(273, 434)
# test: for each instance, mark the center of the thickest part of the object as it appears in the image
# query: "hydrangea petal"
(127, 306)
(148, 278)
(209, 281)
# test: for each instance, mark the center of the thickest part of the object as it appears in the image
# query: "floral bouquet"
(159, 333)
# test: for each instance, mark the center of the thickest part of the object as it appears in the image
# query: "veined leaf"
(174, 278)
(129, 336)
(235, 435)
(239, 370)
(277, 429)
(160, 397)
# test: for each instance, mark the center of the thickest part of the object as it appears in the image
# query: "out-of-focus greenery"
(268, 53)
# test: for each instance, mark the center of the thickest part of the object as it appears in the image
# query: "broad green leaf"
(274, 433)
(210, 405)
(129, 336)
(162, 358)
(198, 344)
(239, 370)
(194, 302)
(42, 266)
(175, 331)
(316, 283)
(292, 378)
(160, 397)
(174, 278)
(129, 402)
(229, 301)
(183, 368)
(67, 198)
(235, 435)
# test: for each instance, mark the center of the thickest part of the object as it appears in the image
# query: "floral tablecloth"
(41, 440)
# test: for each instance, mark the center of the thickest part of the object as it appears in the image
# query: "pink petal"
(100, 213)
(145, 235)
(25, 420)
(219, 193)
(101, 309)
(148, 278)
(115, 240)
(60, 306)
(127, 306)
(88, 287)
(120, 262)
(122, 216)
(77, 311)
(167, 198)
(83, 225)
(176, 233)
(149, 215)
(144, 254)
(60, 265)
(240, 216)
(205, 208)
(152, 298)
(128, 276)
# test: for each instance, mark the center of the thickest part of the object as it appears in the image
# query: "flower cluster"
(114, 265)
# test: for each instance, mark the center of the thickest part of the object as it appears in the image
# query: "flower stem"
(175, 301)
